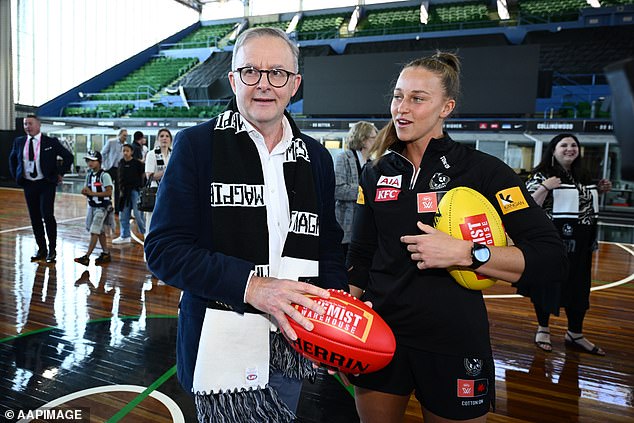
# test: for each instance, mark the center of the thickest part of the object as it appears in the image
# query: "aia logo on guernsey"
(472, 388)
(390, 181)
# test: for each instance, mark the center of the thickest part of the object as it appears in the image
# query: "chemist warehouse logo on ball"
(349, 319)
(391, 190)
(511, 199)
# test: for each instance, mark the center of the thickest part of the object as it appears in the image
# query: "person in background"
(564, 189)
(131, 174)
(144, 148)
(155, 163)
(245, 225)
(348, 166)
(138, 140)
(100, 216)
(33, 164)
(112, 154)
(398, 261)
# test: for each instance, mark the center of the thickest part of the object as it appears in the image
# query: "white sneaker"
(122, 240)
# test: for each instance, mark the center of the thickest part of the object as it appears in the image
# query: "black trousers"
(40, 200)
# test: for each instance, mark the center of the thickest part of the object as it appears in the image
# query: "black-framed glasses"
(276, 77)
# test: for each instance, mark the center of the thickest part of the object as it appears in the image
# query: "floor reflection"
(549, 381)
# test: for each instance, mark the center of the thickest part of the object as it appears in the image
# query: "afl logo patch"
(251, 375)
(473, 366)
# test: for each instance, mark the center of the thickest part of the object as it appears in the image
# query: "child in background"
(99, 217)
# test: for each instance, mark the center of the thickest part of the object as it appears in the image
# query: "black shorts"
(452, 387)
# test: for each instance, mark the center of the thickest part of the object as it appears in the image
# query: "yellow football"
(466, 214)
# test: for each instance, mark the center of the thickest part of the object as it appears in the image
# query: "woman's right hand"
(552, 183)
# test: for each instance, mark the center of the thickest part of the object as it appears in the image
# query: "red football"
(350, 336)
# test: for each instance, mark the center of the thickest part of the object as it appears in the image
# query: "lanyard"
(36, 148)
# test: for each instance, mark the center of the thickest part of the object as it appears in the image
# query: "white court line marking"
(134, 237)
(174, 409)
(29, 227)
(627, 247)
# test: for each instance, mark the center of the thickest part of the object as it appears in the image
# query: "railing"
(212, 41)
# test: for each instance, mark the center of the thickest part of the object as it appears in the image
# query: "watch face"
(482, 254)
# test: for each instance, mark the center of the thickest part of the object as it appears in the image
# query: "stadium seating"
(581, 53)
(205, 36)
(100, 111)
(281, 25)
(148, 80)
(551, 10)
(319, 27)
(202, 112)
(389, 21)
(454, 16)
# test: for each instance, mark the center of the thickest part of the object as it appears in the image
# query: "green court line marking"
(348, 388)
(102, 319)
(143, 395)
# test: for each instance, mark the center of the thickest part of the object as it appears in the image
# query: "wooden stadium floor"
(100, 340)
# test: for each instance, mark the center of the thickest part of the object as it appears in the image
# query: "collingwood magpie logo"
(241, 195)
(473, 366)
(438, 181)
(231, 120)
(304, 223)
(296, 150)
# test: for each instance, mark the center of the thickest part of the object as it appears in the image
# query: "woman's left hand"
(604, 185)
(434, 249)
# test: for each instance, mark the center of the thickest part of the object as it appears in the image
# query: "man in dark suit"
(33, 164)
(218, 247)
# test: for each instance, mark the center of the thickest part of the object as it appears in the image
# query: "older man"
(244, 211)
(112, 155)
(33, 164)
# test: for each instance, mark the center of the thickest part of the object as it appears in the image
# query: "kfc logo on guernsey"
(236, 195)
(304, 223)
(352, 320)
(387, 194)
(231, 120)
(296, 150)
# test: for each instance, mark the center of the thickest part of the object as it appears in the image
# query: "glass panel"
(96, 142)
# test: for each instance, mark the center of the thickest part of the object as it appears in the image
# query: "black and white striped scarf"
(160, 160)
(240, 230)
